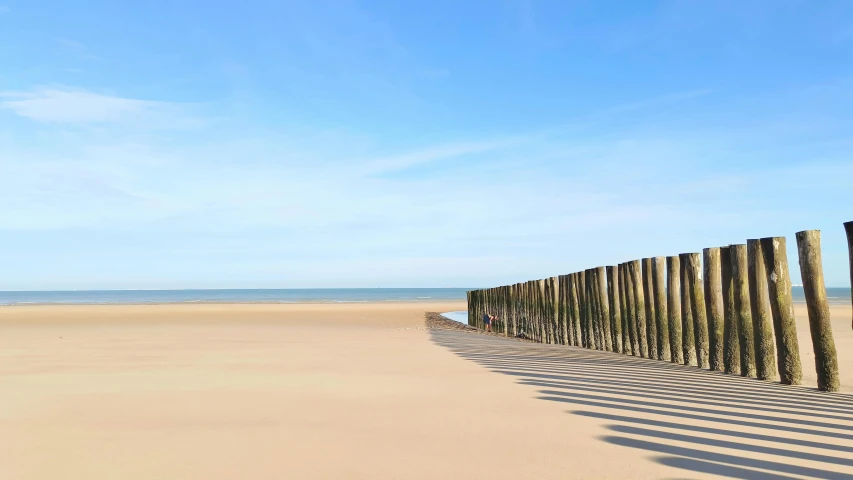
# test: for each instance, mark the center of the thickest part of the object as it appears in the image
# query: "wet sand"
(366, 391)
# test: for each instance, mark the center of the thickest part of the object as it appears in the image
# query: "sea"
(307, 295)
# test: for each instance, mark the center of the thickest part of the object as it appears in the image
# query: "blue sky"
(359, 144)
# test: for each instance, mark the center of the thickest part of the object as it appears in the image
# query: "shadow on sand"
(691, 419)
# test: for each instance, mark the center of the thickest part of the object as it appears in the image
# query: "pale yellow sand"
(364, 391)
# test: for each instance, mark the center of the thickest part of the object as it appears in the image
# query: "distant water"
(319, 295)
(310, 295)
(833, 295)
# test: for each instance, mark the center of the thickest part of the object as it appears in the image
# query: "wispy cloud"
(75, 106)
(437, 152)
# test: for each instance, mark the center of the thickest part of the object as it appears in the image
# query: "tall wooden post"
(673, 306)
(584, 310)
(591, 298)
(543, 312)
(688, 329)
(781, 307)
(604, 308)
(714, 307)
(697, 307)
(848, 228)
(631, 308)
(651, 317)
(765, 352)
(639, 306)
(627, 342)
(661, 314)
(811, 268)
(731, 337)
(615, 311)
(743, 310)
(557, 333)
(562, 315)
(576, 315)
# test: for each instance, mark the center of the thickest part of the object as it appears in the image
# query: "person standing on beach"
(487, 321)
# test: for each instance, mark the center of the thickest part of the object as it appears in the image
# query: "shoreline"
(230, 302)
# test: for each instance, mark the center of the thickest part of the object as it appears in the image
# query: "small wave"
(424, 297)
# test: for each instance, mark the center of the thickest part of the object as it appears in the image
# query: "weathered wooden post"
(543, 312)
(556, 332)
(639, 306)
(661, 315)
(576, 310)
(615, 311)
(468, 305)
(651, 317)
(627, 337)
(697, 308)
(714, 307)
(589, 283)
(688, 328)
(848, 228)
(584, 310)
(546, 324)
(673, 306)
(765, 352)
(562, 314)
(743, 310)
(631, 309)
(599, 311)
(566, 285)
(811, 269)
(589, 299)
(592, 299)
(782, 309)
(604, 308)
(731, 337)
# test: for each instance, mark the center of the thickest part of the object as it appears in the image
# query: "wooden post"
(743, 310)
(592, 329)
(661, 315)
(673, 306)
(713, 307)
(631, 308)
(688, 327)
(543, 311)
(697, 306)
(576, 315)
(627, 343)
(601, 340)
(556, 332)
(562, 314)
(546, 324)
(811, 269)
(639, 306)
(731, 337)
(651, 317)
(848, 228)
(615, 311)
(592, 311)
(784, 322)
(765, 352)
(604, 308)
(583, 309)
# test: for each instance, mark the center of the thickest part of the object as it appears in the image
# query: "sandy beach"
(365, 391)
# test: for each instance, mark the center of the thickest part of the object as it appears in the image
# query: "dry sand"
(365, 391)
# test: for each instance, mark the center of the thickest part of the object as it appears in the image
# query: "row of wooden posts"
(728, 309)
